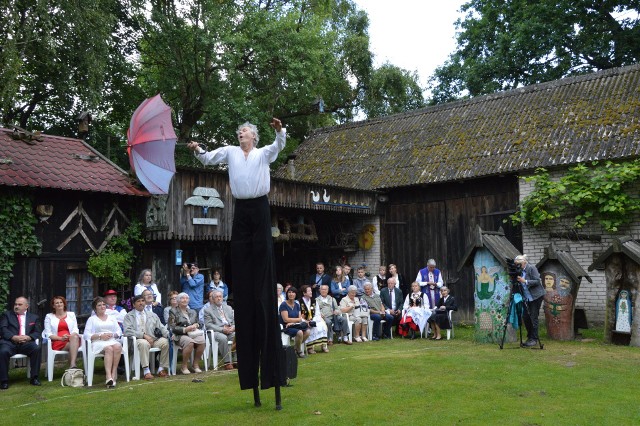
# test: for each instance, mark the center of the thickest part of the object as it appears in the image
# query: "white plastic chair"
(213, 347)
(370, 328)
(91, 359)
(450, 332)
(174, 359)
(290, 341)
(51, 358)
(136, 358)
(349, 325)
(13, 360)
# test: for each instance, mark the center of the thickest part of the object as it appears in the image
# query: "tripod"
(516, 290)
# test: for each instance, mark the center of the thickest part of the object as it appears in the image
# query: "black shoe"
(530, 343)
(35, 381)
(4, 385)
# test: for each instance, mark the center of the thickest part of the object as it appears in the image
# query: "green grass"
(388, 382)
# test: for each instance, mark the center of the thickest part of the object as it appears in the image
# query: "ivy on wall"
(113, 264)
(17, 237)
(593, 191)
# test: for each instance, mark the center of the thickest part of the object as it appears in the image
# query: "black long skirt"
(258, 342)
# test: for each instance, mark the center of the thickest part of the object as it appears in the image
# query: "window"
(80, 291)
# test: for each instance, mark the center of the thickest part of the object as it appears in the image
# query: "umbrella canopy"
(152, 143)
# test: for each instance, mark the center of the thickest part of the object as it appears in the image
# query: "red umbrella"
(152, 143)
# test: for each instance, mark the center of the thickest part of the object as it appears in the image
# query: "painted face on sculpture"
(565, 286)
(549, 282)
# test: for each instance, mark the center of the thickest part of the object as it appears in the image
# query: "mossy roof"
(563, 122)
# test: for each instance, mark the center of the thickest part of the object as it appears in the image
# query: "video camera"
(514, 270)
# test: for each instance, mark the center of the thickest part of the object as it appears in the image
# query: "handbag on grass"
(73, 377)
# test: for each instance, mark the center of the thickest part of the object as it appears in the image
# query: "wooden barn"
(445, 170)
(81, 200)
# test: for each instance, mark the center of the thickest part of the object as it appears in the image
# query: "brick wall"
(591, 296)
(370, 257)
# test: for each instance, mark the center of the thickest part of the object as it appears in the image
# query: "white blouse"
(51, 322)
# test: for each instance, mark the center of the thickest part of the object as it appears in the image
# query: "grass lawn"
(388, 382)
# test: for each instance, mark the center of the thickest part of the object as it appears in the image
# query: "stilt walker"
(258, 342)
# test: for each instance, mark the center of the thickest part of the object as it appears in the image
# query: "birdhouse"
(621, 268)
(561, 274)
(488, 254)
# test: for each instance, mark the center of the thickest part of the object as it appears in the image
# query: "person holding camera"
(149, 332)
(533, 294)
(318, 328)
(192, 283)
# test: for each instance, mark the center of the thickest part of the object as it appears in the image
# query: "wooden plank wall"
(284, 193)
(436, 222)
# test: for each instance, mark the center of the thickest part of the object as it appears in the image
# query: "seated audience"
(145, 281)
(415, 313)
(331, 313)
(183, 323)
(440, 319)
(145, 326)
(358, 314)
(208, 298)
(173, 303)
(392, 299)
(377, 313)
(400, 280)
(219, 317)
(360, 280)
(380, 280)
(338, 284)
(218, 284)
(19, 334)
(279, 295)
(104, 333)
(114, 310)
(150, 305)
(61, 327)
(318, 328)
(292, 322)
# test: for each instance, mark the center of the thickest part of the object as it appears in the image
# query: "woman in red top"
(61, 327)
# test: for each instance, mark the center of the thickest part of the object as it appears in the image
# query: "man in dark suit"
(533, 293)
(319, 278)
(392, 300)
(219, 318)
(20, 332)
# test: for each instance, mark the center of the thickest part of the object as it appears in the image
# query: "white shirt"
(248, 177)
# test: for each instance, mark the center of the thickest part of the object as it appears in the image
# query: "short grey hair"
(254, 130)
(278, 285)
(367, 284)
(216, 291)
(431, 262)
(444, 287)
(520, 259)
(181, 296)
(353, 288)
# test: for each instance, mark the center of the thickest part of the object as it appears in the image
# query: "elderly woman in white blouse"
(358, 312)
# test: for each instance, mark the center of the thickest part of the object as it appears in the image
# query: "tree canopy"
(506, 44)
(216, 63)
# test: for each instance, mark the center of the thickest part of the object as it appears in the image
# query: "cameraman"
(533, 293)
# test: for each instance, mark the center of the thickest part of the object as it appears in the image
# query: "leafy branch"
(587, 192)
(17, 222)
(113, 264)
